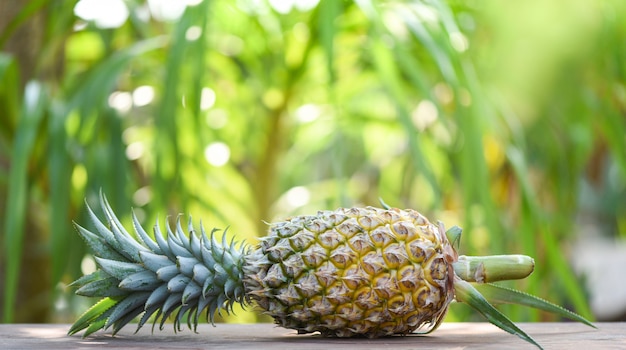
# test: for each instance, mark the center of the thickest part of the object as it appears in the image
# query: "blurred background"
(505, 118)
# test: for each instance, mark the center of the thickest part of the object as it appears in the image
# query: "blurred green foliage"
(504, 118)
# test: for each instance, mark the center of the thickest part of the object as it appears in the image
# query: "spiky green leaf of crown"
(176, 274)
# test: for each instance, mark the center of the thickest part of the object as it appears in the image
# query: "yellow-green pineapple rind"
(357, 271)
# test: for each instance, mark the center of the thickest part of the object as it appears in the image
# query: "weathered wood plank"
(266, 336)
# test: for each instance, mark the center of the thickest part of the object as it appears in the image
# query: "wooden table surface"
(266, 336)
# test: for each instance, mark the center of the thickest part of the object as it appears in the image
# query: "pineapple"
(349, 272)
(353, 271)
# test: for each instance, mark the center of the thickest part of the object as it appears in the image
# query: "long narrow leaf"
(501, 295)
(26, 13)
(9, 97)
(99, 82)
(92, 314)
(60, 176)
(466, 293)
(556, 258)
(31, 116)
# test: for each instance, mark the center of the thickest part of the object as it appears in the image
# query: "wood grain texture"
(266, 336)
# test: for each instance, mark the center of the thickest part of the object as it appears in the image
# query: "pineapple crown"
(185, 274)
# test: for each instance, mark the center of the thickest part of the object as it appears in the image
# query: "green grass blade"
(384, 60)
(501, 295)
(60, 175)
(328, 12)
(30, 120)
(429, 40)
(27, 12)
(614, 129)
(556, 258)
(466, 293)
(9, 98)
(99, 81)
(167, 154)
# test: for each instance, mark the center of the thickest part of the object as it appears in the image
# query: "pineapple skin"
(353, 272)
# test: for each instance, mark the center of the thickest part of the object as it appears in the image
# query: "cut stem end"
(484, 269)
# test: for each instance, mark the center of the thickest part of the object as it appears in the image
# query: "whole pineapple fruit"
(353, 271)
(359, 271)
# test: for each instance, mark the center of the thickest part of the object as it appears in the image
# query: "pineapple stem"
(484, 269)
